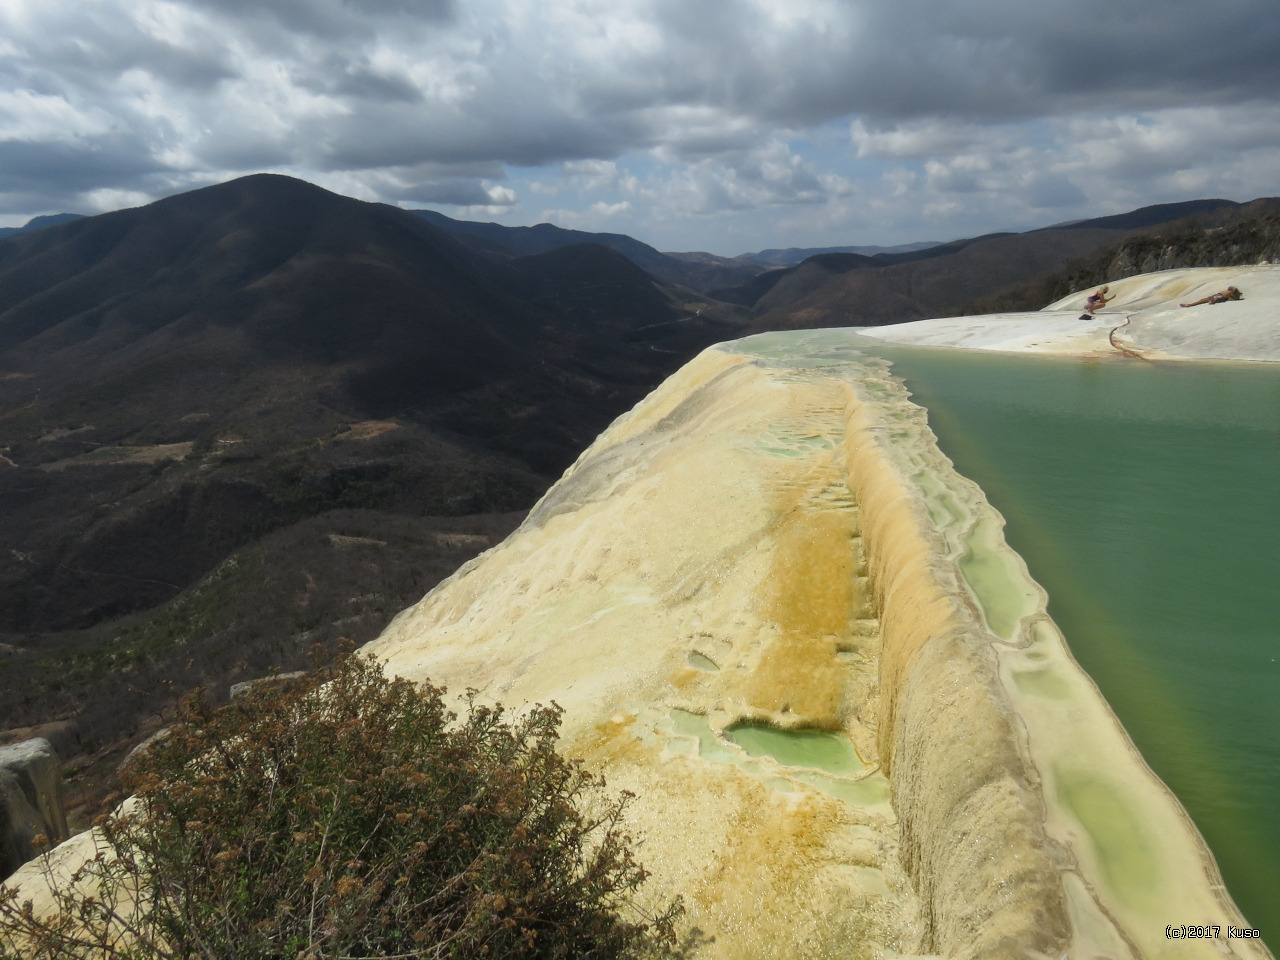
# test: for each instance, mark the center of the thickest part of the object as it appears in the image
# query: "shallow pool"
(831, 753)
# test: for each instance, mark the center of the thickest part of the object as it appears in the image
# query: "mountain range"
(39, 223)
(250, 418)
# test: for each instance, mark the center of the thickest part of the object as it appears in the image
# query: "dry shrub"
(348, 815)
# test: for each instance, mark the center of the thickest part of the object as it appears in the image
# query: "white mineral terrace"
(1156, 328)
(773, 611)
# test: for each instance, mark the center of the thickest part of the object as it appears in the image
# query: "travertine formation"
(772, 610)
(1145, 309)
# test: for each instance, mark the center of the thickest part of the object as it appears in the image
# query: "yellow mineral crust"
(700, 566)
(772, 543)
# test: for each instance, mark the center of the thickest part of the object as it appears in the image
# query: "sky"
(719, 125)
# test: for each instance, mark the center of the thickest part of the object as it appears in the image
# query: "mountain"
(791, 256)
(695, 269)
(699, 272)
(1157, 215)
(847, 289)
(39, 223)
(305, 405)
(825, 291)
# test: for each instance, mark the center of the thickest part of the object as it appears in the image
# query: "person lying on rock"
(1098, 300)
(1222, 296)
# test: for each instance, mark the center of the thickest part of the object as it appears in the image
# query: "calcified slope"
(772, 541)
(1145, 316)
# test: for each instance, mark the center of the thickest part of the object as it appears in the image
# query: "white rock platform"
(1146, 312)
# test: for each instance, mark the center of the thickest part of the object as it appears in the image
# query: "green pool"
(1146, 499)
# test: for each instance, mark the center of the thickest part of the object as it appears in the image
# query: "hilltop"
(1248, 233)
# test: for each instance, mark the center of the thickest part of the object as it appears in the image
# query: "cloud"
(685, 109)
(929, 137)
(610, 209)
(84, 49)
(459, 193)
(40, 175)
(358, 79)
(592, 174)
(333, 20)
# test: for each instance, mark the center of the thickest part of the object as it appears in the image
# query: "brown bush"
(347, 815)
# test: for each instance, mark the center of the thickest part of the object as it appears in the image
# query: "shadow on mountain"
(183, 381)
(698, 271)
(833, 290)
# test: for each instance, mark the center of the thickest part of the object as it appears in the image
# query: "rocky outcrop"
(244, 686)
(30, 801)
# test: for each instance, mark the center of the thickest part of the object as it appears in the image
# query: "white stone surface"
(1146, 312)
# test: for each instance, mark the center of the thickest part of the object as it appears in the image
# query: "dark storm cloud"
(343, 76)
(330, 19)
(517, 129)
(107, 57)
(55, 176)
(75, 167)
(227, 150)
(991, 60)
(91, 51)
(461, 193)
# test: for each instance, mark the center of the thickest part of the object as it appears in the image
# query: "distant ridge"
(1152, 216)
(700, 273)
(847, 289)
(697, 269)
(40, 223)
(791, 256)
(1229, 234)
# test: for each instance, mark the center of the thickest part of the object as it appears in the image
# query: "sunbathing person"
(1098, 300)
(1222, 296)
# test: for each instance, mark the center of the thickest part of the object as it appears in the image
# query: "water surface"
(1145, 498)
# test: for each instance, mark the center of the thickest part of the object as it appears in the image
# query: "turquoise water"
(825, 761)
(815, 749)
(1146, 499)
